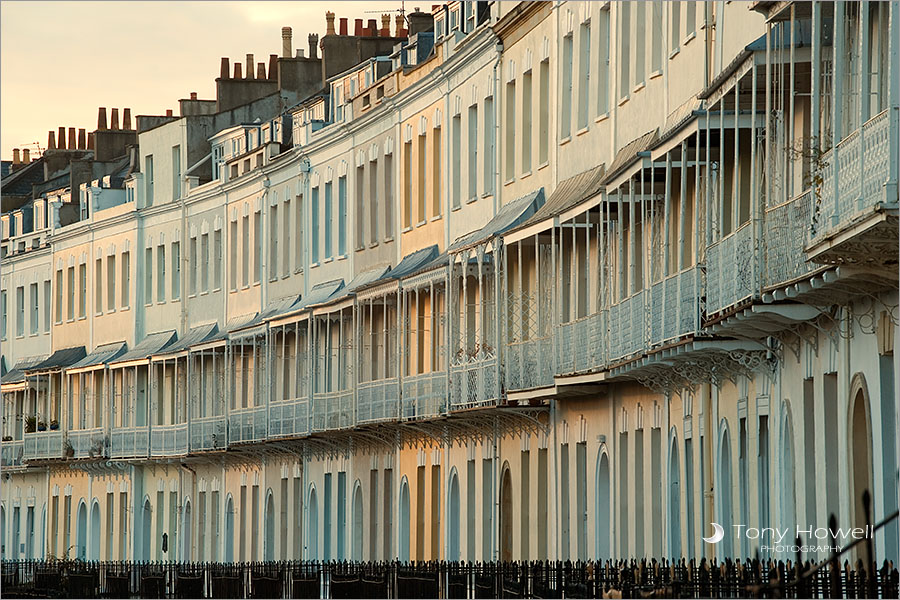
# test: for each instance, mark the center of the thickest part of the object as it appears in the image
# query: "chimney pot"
(373, 27)
(357, 27)
(343, 26)
(82, 139)
(51, 141)
(126, 119)
(169, 112)
(273, 66)
(287, 47)
(300, 52)
(398, 26)
(225, 69)
(250, 64)
(313, 45)
(73, 139)
(114, 119)
(101, 118)
(16, 160)
(237, 71)
(26, 156)
(329, 23)
(193, 95)
(385, 25)
(90, 144)
(260, 70)
(61, 138)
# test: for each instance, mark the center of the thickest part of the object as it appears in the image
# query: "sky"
(60, 61)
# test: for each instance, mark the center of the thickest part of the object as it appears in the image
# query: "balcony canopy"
(60, 359)
(197, 335)
(16, 375)
(101, 355)
(150, 345)
(509, 216)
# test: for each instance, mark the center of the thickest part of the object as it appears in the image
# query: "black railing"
(609, 579)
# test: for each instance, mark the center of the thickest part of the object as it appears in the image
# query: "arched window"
(453, 524)
(674, 502)
(602, 520)
(403, 536)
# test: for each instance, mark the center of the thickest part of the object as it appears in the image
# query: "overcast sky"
(62, 60)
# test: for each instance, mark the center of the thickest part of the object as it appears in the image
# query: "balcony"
(580, 347)
(675, 307)
(424, 395)
(247, 425)
(473, 381)
(208, 433)
(332, 410)
(12, 453)
(169, 440)
(88, 443)
(731, 270)
(786, 230)
(44, 445)
(855, 221)
(129, 442)
(289, 418)
(626, 327)
(378, 400)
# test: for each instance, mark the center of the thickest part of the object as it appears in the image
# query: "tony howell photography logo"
(784, 539)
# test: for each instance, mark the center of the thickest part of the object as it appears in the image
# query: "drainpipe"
(181, 488)
(708, 495)
(495, 160)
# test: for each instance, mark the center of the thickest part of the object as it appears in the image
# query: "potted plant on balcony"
(54, 425)
(69, 450)
(30, 424)
(41, 426)
(7, 438)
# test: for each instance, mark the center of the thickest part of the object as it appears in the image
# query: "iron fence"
(609, 579)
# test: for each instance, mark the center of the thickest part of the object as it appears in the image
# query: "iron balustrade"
(12, 453)
(674, 310)
(731, 270)
(247, 425)
(473, 381)
(378, 400)
(129, 442)
(580, 345)
(169, 440)
(208, 433)
(627, 334)
(527, 365)
(289, 418)
(87, 443)
(332, 410)
(43, 445)
(424, 395)
(786, 226)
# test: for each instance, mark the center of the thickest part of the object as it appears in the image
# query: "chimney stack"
(250, 64)
(260, 70)
(61, 138)
(237, 71)
(126, 119)
(300, 53)
(225, 69)
(73, 139)
(343, 30)
(287, 46)
(273, 66)
(114, 119)
(373, 27)
(329, 23)
(26, 156)
(101, 118)
(90, 144)
(313, 45)
(82, 139)
(169, 112)
(16, 160)
(385, 25)
(398, 26)
(193, 95)
(51, 141)
(357, 27)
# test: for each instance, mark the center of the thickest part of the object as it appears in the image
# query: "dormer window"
(454, 20)
(469, 7)
(439, 27)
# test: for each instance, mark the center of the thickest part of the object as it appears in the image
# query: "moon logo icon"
(717, 536)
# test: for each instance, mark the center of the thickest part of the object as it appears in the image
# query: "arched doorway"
(312, 526)
(861, 456)
(229, 529)
(81, 532)
(187, 541)
(269, 545)
(674, 501)
(725, 484)
(404, 521)
(506, 516)
(602, 517)
(94, 553)
(453, 518)
(356, 546)
(42, 533)
(788, 502)
(146, 529)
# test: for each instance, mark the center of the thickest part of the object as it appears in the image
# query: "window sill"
(487, 194)
(623, 100)
(342, 257)
(581, 131)
(688, 39)
(509, 181)
(33, 334)
(601, 117)
(655, 74)
(328, 260)
(20, 336)
(406, 230)
(206, 293)
(245, 287)
(565, 140)
(471, 200)
(543, 165)
(525, 175)
(638, 88)
(373, 245)
(674, 53)
(124, 308)
(389, 239)
(315, 264)
(82, 318)
(360, 248)
(455, 208)
(435, 218)
(110, 311)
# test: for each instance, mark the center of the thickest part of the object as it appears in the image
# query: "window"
(148, 276)
(584, 74)
(82, 290)
(217, 259)
(603, 64)
(98, 286)
(690, 18)
(640, 37)
(436, 172)
(565, 115)
(314, 231)
(70, 282)
(3, 309)
(257, 247)
(373, 202)
(286, 235)
(160, 273)
(342, 216)
(176, 270)
(245, 255)
(625, 49)
(59, 296)
(675, 22)
(192, 273)
(204, 262)
(20, 311)
(329, 221)
(126, 279)
(510, 130)
(456, 157)
(233, 246)
(272, 267)
(35, 309)
(148, 180)
(111, 282)
(544, 116)
(656, 38)
(407, 185)
(489, 145)
(473, 152)
(48, 296)
(176, 172)
(360, 209)
(421, 178)
(527, 118)
(389, 196)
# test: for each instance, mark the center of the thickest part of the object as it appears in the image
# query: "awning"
(414, 262)
(197, 335)
(510, 215)
(628, 155)
(16, 375)
(100, 356)
(273, 310)
(151, 344)
(60, 359)
(567, 195)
